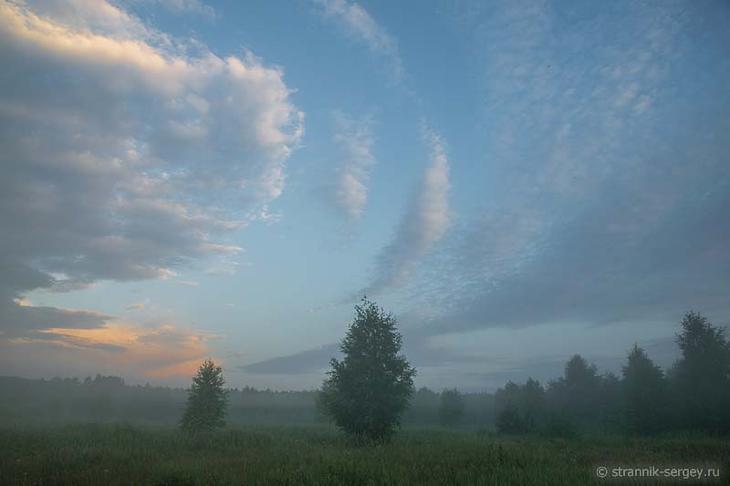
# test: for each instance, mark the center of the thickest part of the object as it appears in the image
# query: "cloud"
(353, 19)
(424, 223)
(120, 348)
(485, 359)
(20, 319)
(302, 362)
(137, 306)
(354, 140)
(191, 7)
(126, 153)
(606, 190)
(418, 350)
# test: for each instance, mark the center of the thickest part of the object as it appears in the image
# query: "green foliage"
(582, 383)
(207, 400)
(114, 455)
(701, 377)
(511, 421)
(696, 398)
(451, 410)
(366, 393)
(519, 407)
(557, 425)
(644, 394)
(610, 405)
(424, 405)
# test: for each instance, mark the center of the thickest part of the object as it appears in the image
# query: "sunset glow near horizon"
(516, 181)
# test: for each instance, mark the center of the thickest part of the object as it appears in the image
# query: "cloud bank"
(124, 152)
(607, 183)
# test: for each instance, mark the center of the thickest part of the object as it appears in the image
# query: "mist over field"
(438, 242)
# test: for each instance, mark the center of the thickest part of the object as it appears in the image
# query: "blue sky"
(516, 181)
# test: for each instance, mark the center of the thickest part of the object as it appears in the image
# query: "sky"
(515, 181)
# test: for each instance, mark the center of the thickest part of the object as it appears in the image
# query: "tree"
(582, 387)
(451, 409)
(610, 402)
(702, 375)
(519, 408)
(644, 393)
(533, 401)
(366, 393)
(207, 400)
(510, 421)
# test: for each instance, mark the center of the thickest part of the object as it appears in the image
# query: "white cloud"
(354, 140)
(359, 24)
(125, 150)
(424, 224)
(433, 204)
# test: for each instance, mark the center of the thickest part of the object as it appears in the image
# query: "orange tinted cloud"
(165, 351)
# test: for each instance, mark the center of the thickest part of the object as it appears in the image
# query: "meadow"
(109, 454)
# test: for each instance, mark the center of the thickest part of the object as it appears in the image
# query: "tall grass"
(119, 454)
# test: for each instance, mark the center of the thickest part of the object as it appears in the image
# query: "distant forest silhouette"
(693, 395)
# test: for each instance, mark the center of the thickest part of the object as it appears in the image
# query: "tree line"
(694, 394)
(366, 393)
(110, 399)
(370, 393)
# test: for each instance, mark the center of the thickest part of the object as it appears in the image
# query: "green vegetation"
(451, 410)
(367, 392)
(118, 454)
(553, 435)
(693, 396)
(104, 399)
(207, 400)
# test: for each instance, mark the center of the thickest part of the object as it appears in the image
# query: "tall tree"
(451, 409)
(610, 403)
(366, 393)
(702, 375)
(207, 400)
(644, 394)
(573, 399)
(582, 386)
(533, 401)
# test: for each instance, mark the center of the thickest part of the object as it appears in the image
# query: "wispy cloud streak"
(424, 223)
(360, 25)
(354, 140)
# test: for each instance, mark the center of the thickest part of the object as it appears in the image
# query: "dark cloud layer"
(297, 363)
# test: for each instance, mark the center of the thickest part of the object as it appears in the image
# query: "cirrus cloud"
(357, 22)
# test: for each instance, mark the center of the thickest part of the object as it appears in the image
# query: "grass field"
(120, 454)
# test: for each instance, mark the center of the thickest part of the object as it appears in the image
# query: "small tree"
(366, 393)
(207, 400)
(451, 410)
(644, 393)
